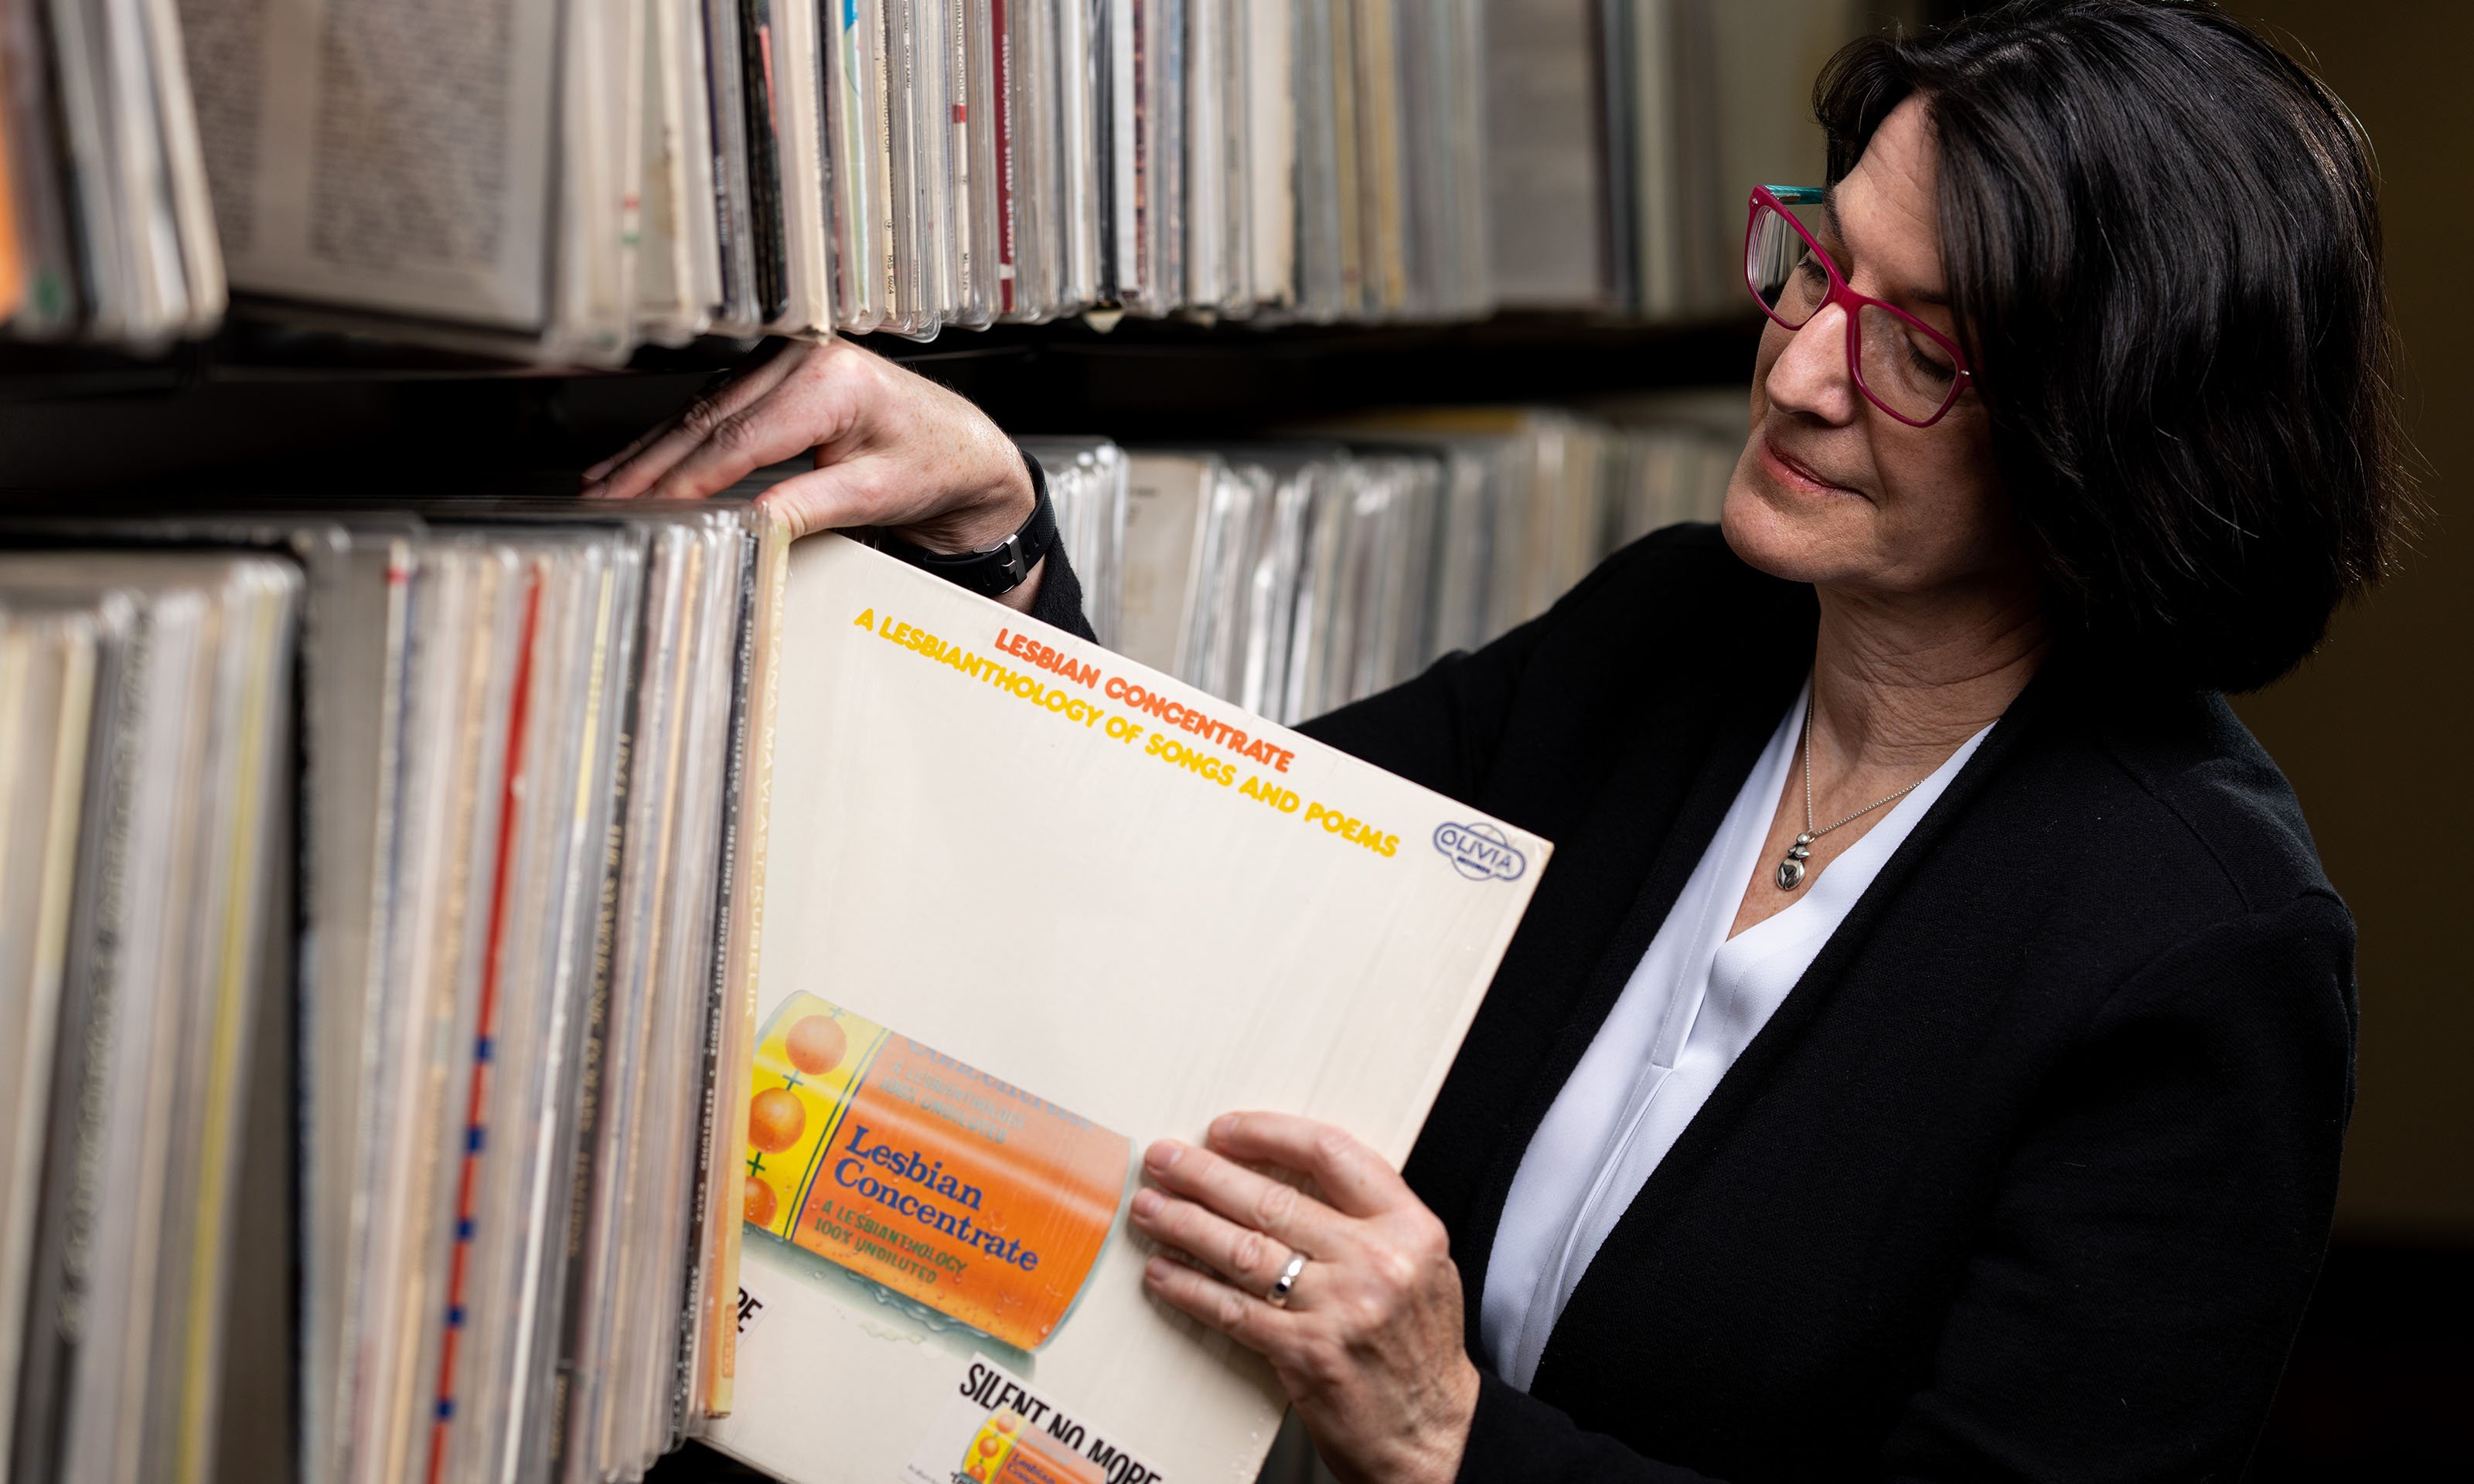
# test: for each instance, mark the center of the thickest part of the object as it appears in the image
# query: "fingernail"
(1225, 1126)
(596, 471)
(591, 488)
(1163, 1155)
(1156, 1271)
(1147, 1202)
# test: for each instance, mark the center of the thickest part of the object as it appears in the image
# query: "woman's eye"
(1815, 277)
(1930, 361)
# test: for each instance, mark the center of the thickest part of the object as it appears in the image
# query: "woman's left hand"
(1370, 1345)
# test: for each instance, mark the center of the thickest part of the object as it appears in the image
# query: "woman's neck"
(1900, 681)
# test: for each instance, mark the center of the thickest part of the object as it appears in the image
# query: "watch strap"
(991, 572)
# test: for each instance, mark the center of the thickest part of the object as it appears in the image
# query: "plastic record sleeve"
(1083, 175)
(855, 132)
(916, 139)
(975, 226)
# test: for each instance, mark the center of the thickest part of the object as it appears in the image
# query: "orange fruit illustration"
(816, 1044)
(775, 1120)
(760, 1201)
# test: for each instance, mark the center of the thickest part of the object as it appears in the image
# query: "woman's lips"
(1799, 477)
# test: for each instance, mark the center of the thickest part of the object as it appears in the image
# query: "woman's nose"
(1810, 375)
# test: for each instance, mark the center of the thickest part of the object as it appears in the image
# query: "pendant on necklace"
(1790, 870)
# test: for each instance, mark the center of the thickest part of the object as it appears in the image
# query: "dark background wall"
(2373, 732)
(2371, 729)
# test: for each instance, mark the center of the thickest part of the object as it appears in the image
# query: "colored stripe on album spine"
(510, 790)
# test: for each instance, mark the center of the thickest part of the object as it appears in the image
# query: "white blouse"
(1696, 1001)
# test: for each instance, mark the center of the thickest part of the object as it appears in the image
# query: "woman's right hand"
(892, 449)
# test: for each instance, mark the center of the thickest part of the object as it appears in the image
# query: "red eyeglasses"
(1902, 365)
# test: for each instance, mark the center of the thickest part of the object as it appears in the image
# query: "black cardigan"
(2029, 1175)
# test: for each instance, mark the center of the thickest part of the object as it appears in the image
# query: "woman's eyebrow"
(1839, 235)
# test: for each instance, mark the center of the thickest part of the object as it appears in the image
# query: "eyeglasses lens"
(1786, 274)
(1905, 370)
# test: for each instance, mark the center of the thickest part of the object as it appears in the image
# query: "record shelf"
(258, 402)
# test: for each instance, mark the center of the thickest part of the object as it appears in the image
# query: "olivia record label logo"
(1480, 851)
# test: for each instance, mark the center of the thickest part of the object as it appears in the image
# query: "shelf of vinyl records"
(330, 838)
(564, 182)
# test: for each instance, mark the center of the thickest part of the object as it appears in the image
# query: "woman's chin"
(1796, 540)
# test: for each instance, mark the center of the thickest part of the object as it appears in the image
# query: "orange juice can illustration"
(945, 1186)
(1007, 1450)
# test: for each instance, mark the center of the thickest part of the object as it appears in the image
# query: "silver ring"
(1278, 1297)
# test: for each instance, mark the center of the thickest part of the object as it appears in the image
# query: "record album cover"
(1029, 907)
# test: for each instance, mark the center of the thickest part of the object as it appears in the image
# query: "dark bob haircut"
(2162, 247)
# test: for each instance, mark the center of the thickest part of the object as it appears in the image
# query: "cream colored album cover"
(1027, 906)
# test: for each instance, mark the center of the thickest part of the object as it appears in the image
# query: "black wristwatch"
(999, 569)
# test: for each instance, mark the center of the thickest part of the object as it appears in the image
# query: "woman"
(1928, 1052)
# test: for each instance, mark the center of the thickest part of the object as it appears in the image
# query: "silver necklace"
(1790, 870)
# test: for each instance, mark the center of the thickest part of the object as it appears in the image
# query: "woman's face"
(1831, 490)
